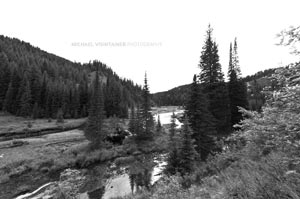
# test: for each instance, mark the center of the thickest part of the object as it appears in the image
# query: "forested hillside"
(34, 83)
(174, 97)
(255, 84)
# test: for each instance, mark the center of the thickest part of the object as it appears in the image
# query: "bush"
(260, 179)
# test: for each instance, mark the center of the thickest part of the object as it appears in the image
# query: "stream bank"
(141, 171)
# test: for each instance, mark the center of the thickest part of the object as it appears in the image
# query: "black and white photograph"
(161, 99)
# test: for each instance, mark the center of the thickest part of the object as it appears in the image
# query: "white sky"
(178, 29)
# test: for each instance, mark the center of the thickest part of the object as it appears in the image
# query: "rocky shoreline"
(67, 187)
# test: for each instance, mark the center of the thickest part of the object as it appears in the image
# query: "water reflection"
(165, 118)
(140, 173)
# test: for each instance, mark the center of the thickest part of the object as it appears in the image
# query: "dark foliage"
(56, 83)
(201, 120)
(173, 156)
(145, 122)
(187, 153)
(94, 128)
(174, 97)
(236, 87)
(211, 71)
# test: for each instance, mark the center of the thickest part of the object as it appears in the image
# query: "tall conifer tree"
(132, 121)
(211, 71)
(211, 77)
(25, 98)
(187, 153)
(173, 155)
(201, 120)
(4, 77)
(146, 115)
(235, 60)
(94, 131)
(236, 87)
(11, 104)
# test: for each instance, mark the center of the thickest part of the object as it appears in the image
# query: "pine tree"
(201, 120)
(236, 87)
(187, 152)
(67, 101)
(211, 77)
(25, 99)
(132, 122)
(219, 106)
(211, 71)
(94, 132)
(145, 115)
(173, 156)
(35, 80)
(56, 99)
(4, 77)
(11, 104)
(8, 98)
(75, 103)
(49, 98)
(35, 111)
(43, 96)
(235, 60)
(83, 97)
(230, 65)
(138, 129)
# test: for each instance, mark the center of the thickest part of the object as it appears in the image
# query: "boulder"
(70, 183)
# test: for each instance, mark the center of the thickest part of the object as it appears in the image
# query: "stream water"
(141, 173)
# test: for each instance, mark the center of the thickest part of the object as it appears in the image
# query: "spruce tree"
(211, 71)
(94, 132)
(145, 115)
(230, 65)
(4, 77)
(211, 77)
(11, 104)
(75, 103)
(132, 122)
(35, 111)
(43, 96)
(236, 87)
(173, 155)
(219, 106)
(25, 99)
(187, 153)
(201, 120)
(49, 98)
(83, 97)
(235, 60)
(8, 98)
(35, 80)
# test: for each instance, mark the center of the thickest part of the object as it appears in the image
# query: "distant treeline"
(255, 84)
(34, 83)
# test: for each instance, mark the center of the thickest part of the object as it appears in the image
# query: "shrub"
(259, 179)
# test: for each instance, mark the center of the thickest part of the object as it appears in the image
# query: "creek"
(141, 172)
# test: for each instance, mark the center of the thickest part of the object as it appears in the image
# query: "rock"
(70, 183)
(66, 188)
